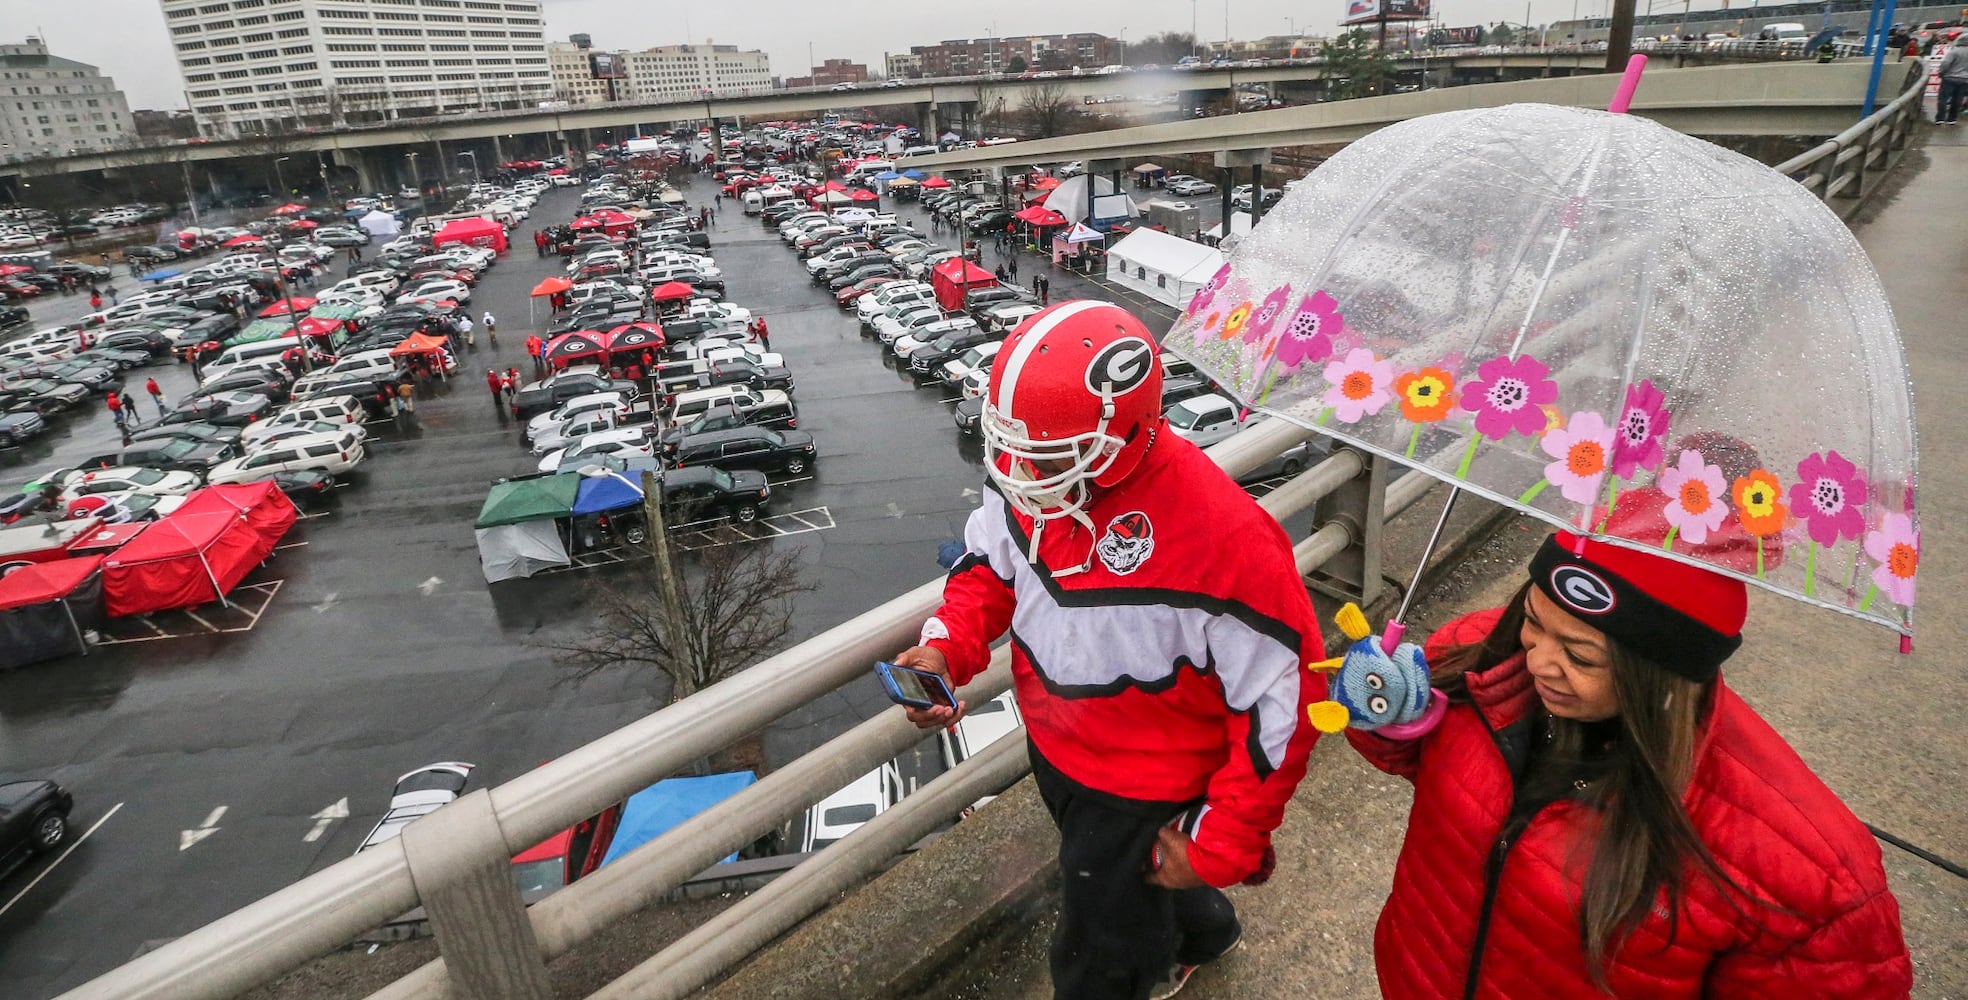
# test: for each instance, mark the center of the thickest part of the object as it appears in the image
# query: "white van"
(869, 168)
(240, 354)
(361, 364)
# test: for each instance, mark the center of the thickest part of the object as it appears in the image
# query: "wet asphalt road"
(383, 649)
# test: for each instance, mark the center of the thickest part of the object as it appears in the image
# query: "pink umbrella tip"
(1629, 82)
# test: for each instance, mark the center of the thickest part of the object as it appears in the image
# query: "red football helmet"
(1075, 400)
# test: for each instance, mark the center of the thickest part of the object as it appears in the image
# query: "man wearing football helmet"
(1159, 627)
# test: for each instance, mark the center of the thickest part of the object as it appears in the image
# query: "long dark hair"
(1642, 841)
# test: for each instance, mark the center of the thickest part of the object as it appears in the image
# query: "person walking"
(540, 242)
(533, 346)
(406, 396)
(497, 385)
(1954, 82)
(1011, 264)
(156, 394)
(1045, 289)
(491, 328)
(760, 334)
(130, 406)
(1164, 777)
(1598, 805)
(95, 298)
(465, 329)
(115, 404)
(511, 383)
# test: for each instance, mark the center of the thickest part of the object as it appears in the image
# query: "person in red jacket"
(1598, 813)
(1161, 682)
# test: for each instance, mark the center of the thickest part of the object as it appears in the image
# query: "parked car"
(622, 442)
(334, 452)
(171, 454)
(745, 447)
(33, 820)
(12, 316)
(846, 810)
(20, 426)
(227, 409)
(1185, 185)
(416, 795)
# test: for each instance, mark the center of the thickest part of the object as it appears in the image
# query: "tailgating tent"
(262, 329)
(606, 493)
(936, 182)
(1240, 227)
(1081, 233)
(45, 606)
(280, 307)
(419, 343)
(290, 209)
(888, 175)
(380, 225)
(475, 231)
(854, 215)
(913, 174)
(1038, 215)
(199, 552)
(663, 806)
(672, 291)
(955, 277)
(570, 347)
(634, 337)
(825, 198)
(517, 530)
(551, 286)
(1168, 269)
(1070, 200)
(863, 194)
(247, 240)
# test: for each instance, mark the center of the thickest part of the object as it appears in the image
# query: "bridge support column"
(498, 150)
(1227, 162)
(352, 159)
(926, 120)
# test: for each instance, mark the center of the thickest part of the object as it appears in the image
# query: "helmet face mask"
(1074, 403)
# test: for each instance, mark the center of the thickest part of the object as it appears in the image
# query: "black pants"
(1117, 934)
(1948, 107)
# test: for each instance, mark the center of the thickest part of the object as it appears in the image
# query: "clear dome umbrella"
(1625, 331)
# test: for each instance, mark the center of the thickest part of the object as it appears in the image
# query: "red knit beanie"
(1685, 618)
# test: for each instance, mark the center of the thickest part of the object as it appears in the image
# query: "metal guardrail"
(1840, 166)
(473, 902)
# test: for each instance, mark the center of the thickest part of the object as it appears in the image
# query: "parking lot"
(375, 646)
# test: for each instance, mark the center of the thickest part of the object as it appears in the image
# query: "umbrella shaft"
(1408, 595)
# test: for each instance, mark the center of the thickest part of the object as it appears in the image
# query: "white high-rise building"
(254, 66)
(669, 72)
(50, 106)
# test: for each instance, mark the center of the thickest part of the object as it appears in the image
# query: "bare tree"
(736, 607)
(1047, 110)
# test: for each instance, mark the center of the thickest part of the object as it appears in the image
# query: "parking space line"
(86, 834)
(789, 482)
(239, 602)
(193, 615)
(796, 517)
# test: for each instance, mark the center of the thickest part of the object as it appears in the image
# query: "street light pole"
(279, 179)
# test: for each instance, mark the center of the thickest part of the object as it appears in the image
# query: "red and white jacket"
(1172, 669)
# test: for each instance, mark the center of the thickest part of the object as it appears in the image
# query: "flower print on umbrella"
(1695, 504)
(1760, 508)
(1427, 395)
(1895, 546)
(1208, 291)
(1233, 324)
(1642, 426)
(1508, 396)
(1266, 316)
(1207, 331)
(1583, 448)
(1361, 385)
(1311, 332)
(1830, 496)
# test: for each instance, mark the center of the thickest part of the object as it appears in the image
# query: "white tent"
(509, 551)
(1070, 200)
(1240, 227)
(380, 225)
(1165, 268)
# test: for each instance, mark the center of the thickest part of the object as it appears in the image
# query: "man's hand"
(927, 658)
(1172, 850)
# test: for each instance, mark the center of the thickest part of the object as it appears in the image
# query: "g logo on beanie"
(1582, 590)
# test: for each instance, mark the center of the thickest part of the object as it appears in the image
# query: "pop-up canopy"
(475, 231)
(44, 608)
(954, 278)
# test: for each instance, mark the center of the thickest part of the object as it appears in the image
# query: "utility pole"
(1619, 38)
(666, 582)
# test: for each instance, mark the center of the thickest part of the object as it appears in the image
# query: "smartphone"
(912, 688)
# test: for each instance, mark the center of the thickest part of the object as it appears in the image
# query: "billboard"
(1367, 11)
(1444, 37)
(607, 66)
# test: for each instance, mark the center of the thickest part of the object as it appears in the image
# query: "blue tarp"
(914, 174)
(658, 809)
(160, 275)
(888, 175)
(605, 493)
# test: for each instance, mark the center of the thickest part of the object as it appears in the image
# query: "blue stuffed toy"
(1373, 690)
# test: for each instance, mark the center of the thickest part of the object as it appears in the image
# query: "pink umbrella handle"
(1629, 82)
(1392, 636)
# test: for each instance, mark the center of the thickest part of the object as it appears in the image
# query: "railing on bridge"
(1841, 166)
(455, 862)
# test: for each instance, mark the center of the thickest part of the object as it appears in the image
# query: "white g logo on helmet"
(1120, 367)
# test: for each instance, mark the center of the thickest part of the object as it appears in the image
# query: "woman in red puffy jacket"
(1598, 813)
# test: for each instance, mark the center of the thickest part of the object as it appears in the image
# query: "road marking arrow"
(324, 819)
(430, 586)
(327, 602)
(895, 511)
(187, 838)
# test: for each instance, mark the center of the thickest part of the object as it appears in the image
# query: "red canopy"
(833, 186)
(7, 269)
(279, 308)
(247, 240)
(418, 343)
(39, 583)
(633, 337)
(290, 209)
(1045, 183)
(476, 231)
(549, 286)
(567, 347)
(863, 194)
(199, 552)
(1039, 215)
(936, 182)
(302, 224)
(953, 278)
(672, 291)
(318, 326)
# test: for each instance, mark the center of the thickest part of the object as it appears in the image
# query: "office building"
(261, 66)
(975, 56)
(903, 66)
(670, 72)
(573, 69)
(50, 106)
(829, 73)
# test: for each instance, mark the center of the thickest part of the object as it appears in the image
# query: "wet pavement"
(370, 644)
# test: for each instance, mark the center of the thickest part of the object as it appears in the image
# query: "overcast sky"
(127, 37)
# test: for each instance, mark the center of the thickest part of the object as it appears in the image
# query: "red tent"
(1039, 215)
(569, 347)
(244, 241)
(954, 277)
(672, 291)
(936, 182)
(551, 286)
(419, 343)
(45, 606)
(290, 209)
(476, 231)
(199, 552)
(319, 327)
(863, 194)
(279, 308)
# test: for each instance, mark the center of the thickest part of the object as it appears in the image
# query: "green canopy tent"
(518, 528)
(262, 329)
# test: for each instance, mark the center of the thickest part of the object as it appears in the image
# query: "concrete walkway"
(1882, 729)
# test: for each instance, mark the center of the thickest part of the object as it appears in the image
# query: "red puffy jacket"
(1768, 821)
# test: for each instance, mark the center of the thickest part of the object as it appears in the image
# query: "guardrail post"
(461, 865)
(1361, 506)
